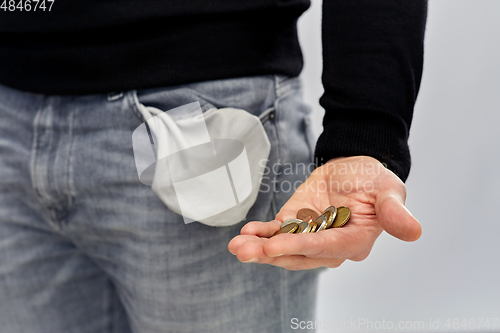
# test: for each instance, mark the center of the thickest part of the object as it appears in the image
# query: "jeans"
(85, 247)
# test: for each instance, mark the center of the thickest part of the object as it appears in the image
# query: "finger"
(297, 262)
(252, 251)
(261, 229)
(237, 241)
(349, 243)
(395, 218)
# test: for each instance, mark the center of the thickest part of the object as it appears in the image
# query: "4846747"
(27, 5)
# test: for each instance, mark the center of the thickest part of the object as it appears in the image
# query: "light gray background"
(453, 270)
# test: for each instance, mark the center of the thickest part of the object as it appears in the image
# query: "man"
(85, 247)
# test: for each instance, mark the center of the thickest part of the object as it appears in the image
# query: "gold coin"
(312, 225)
(320, 223)
(287, 229)
(310, 220)
(303, 228)
(343, 215)
(305, 212)
(330, 213)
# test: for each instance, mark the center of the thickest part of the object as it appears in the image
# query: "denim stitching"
(51, 217)
(277, 121)
(287, 86)
(307, 129)
(69, 165)
(134, 101)
(284, 298)
(110, 308)
(34, 150)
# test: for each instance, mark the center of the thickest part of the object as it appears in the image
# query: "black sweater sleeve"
(372, 68)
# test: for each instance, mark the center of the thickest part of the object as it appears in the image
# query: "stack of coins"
(309, 220)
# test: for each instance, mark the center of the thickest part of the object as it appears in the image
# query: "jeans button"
(272, 115)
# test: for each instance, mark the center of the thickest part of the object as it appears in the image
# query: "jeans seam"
(34, 149)
(279, 145)
(284, 299)
(69, 165)
(134, 101)
(285, 86)
(308, 133)
(49, 216)
(277, 122)
(111, 307)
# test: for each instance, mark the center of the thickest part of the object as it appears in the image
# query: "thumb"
(395, 218)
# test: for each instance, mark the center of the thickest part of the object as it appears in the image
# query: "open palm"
(375, 196)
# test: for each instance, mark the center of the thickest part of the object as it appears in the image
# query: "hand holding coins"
(379, 208)
(309, 221)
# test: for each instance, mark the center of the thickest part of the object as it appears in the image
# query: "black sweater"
(372, 56)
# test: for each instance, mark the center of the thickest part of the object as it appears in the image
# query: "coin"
(303, 228)
(287, 229)
(320, 223)
(308, 219)
(343, 215)
(330, 214)
(305, 212)
(313, 226)
(290, 221)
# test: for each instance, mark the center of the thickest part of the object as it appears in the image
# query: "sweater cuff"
(370, 132)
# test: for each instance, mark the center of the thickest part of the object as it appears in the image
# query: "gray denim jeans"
(85, 247)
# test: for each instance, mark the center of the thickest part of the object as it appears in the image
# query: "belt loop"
(113, 96)
(277, 86)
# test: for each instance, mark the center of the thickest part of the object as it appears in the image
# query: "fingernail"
(252, 260)
(277, 255)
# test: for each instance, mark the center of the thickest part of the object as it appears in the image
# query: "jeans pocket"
(254, 96)
(208, 166)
